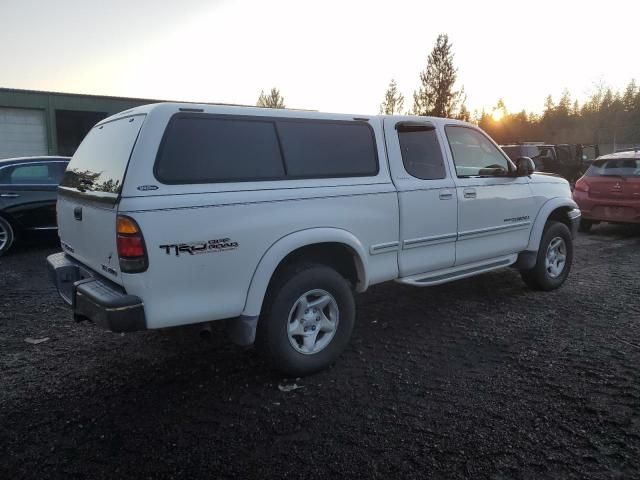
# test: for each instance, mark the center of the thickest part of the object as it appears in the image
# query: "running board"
(456, 273)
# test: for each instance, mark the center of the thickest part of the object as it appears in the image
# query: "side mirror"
(524, 167)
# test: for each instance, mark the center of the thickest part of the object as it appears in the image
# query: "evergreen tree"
(564, 104)
(393, 100)
(501, 107)
(575, 111)
(437, 95)
(272, 100)
(549, 106)
(463, 112)
(630, 97)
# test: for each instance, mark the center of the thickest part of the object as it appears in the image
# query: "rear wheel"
(307, 319)
(553, 262)
(7, 236)
(585, 226)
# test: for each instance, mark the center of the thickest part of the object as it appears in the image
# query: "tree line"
(606, 117)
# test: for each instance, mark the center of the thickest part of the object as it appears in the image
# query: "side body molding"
(543, 214)
(287, 244)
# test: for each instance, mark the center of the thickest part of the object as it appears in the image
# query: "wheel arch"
(555, 209)
(6, 216)
(327, 245)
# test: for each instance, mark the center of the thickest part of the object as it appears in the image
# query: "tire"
(585, 226)
(297, 340)
(7, 236)
(555, 238)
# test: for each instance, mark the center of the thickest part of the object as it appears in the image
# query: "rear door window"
(48, 173)
(421, 154)
(35, 174)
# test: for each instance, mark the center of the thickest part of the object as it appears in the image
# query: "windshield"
(617, 167)
(98, 166)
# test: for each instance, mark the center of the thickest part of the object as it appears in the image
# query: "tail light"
(132, 251)
(582, 185)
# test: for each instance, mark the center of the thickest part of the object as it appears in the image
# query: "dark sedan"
(28, 195)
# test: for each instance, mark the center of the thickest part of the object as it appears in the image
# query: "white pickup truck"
(175, 214)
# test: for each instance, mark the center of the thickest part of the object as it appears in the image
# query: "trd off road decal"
(210, 246)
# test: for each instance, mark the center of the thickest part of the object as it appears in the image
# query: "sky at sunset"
(325, 55)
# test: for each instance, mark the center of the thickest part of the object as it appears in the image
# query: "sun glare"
(497, 114)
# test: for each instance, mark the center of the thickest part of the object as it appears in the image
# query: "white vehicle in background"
(175, 214)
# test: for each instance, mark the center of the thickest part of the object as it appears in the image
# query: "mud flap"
(242, 330)
(526, 260)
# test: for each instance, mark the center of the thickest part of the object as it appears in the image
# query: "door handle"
(9, 195)
(469, 193)
(445, 195)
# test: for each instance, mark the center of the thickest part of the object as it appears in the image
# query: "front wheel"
(553, 263)
(307, 319)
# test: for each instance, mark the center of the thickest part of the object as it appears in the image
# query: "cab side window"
(474, 154)
(421, 154)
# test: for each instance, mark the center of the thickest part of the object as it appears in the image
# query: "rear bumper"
(94, 298)
(607, 210)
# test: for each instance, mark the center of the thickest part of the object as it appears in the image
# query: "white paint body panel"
(496, 221)
(397, 227)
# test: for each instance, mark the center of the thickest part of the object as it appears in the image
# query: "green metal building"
(50, 123)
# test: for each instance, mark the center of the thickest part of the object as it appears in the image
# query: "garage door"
(22, 132)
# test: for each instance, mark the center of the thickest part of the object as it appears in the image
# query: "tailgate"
(88, 233)
(89, 193)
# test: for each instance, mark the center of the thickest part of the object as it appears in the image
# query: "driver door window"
(474, 155)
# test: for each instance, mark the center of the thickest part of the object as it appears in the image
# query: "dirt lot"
(478, 379)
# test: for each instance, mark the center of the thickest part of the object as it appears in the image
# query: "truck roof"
(271, 112)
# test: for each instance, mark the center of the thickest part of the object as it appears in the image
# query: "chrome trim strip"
(383, 248)
(433, 240)
(12, 185)
(480, 232)
(121, 309)
(575, 213)
(34, 162)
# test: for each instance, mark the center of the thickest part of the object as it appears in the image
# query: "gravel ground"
(481, 378)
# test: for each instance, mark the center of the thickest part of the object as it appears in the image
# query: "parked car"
(566, 160)
(175, 214)
(610, 190)
(28, 190)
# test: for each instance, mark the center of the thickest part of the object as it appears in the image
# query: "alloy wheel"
(313, 321)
